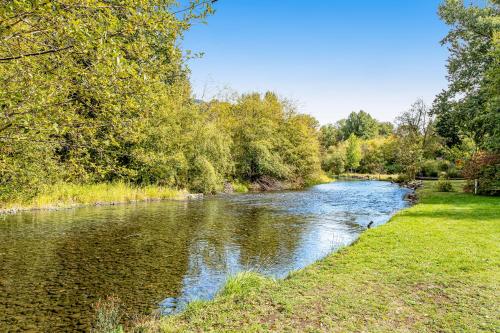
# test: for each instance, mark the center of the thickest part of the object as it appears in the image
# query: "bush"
(444, 165)
(239, 187)
(483, 167)
(403, 178)
(444, 185)
(453, 172)
(204, 177)
(430, 168)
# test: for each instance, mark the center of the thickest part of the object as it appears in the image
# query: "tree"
(269, 138)
(353, 153)
(409, 155)
(328, 136)
(335, 160)
(470, 104)
(385, 128)
(372, 160)
(361, 124)
(413, 134)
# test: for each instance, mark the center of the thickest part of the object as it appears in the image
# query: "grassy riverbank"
(433, 268)
(71, 195)
(64, 195)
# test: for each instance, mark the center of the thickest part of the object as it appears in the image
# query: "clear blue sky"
(330, 56)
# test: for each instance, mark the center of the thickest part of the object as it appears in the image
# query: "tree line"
(99, 91)
(412, 147)
(458, 135)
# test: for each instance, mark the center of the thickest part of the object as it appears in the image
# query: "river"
(54, 265)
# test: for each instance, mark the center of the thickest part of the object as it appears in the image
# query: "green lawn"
(433, 268)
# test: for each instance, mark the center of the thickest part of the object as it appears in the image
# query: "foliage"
(461, 152)
(483, 167)
(385, 128)
(353, 152)
(99, 92)
(430, 168)
(328, 136)
(84, 88)
(372, 160)
(444, 185)
(268, 138)
(470, 104)
(335, 160)
(385, 149)
(25, 169)
(239, 187)
(361, 124)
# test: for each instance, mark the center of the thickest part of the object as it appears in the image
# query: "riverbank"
(65, 195)
(433, 267)
(62, 196)
(367, 176)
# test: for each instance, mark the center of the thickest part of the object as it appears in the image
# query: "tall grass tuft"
(108, 314)
(68, 195)
(244, 283)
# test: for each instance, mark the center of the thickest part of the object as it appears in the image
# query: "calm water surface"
(55, 265)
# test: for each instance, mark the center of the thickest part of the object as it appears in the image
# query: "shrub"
(453, 172)
(444, 185)
(444, 165)
(334, 162)
(204, 177)
(402, 178)
(430, 168)
(483, 167)
(239, 187)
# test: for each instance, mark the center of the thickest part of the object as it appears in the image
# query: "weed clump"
(108, 314)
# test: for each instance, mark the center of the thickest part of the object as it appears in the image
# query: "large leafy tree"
(328, 136)
(81, 79)
(470, 105)
(361, 124)
(353, 152)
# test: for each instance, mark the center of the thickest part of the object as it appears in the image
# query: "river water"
(54, 265)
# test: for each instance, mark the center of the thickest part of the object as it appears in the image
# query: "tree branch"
(36, 53)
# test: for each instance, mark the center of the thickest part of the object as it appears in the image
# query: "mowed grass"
(433, 268)
(69, 195)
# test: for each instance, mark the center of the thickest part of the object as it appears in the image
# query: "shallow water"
(55, 265)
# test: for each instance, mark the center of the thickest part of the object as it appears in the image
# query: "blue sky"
(330, 57)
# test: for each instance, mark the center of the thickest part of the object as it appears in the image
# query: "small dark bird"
(370, 224)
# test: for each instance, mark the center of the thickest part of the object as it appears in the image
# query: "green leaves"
(80, 83)
(472, 94)
(98, 91)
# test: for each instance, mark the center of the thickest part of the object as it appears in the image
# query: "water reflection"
(55, 265)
